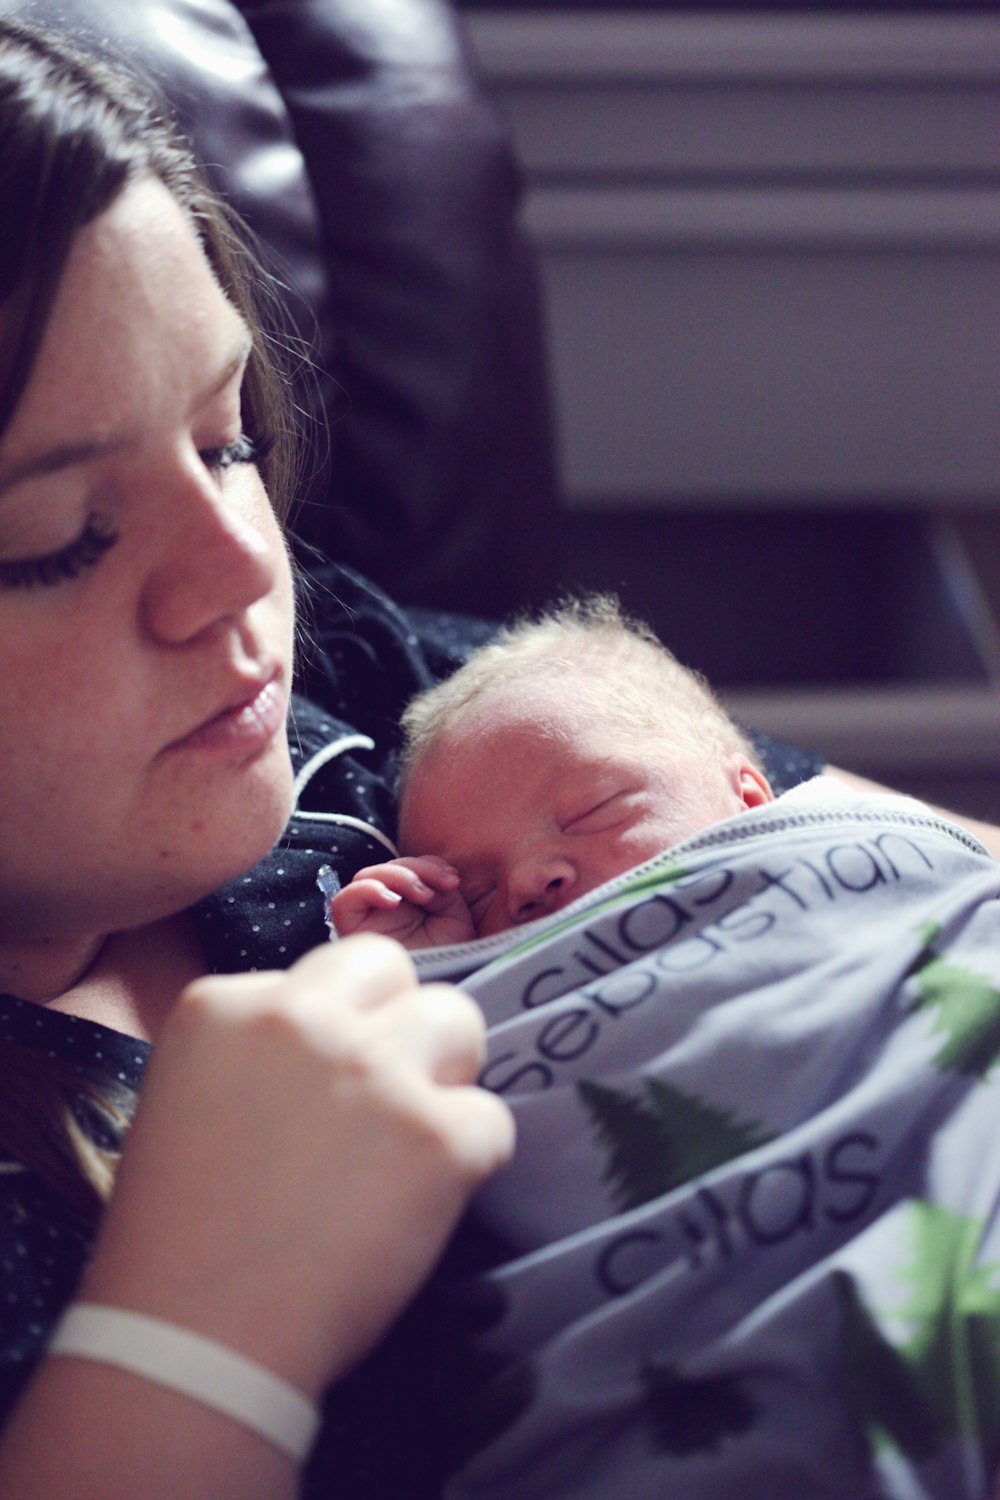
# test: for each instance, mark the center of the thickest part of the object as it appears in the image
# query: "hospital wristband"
(195, 1366)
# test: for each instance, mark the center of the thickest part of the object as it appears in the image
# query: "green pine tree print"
(878, 1383)
(944, 1379)
(641, 1160)
(693, 1415)
(968, 1011)
(658, 1142)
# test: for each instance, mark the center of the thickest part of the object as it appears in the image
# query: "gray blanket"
(754, 1204)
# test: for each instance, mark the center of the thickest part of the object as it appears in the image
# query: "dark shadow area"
(778, 598)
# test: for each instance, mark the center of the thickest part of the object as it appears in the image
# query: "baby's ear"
(750, 785)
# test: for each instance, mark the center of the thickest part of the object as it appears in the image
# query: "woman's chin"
(230, 833)
(260, 820)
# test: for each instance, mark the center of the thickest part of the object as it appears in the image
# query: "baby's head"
(567, 750)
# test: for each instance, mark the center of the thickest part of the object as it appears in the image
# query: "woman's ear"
(750, 785)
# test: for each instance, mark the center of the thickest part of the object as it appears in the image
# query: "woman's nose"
(215, 561)
(538, 886)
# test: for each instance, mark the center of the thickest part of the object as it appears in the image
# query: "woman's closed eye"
(97, 535)
(63, 563)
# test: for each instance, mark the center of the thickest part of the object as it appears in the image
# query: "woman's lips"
(242, 729)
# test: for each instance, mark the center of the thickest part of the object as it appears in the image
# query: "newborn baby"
(562, 754)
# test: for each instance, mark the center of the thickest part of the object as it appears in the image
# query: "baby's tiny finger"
(352, 906)
(430, 876)
(439, 870)
(391, 880)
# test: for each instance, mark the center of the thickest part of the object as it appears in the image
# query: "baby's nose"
(538, 887)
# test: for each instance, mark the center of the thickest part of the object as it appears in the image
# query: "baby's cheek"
(647, 837)
(623, 853)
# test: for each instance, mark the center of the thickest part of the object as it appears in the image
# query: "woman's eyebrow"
(65, 455)
(242, 346)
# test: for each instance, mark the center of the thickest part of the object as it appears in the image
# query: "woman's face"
(145, 596)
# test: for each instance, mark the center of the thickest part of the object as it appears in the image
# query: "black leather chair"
(356, 141)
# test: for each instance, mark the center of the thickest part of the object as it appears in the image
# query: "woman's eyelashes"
(242, 450)
(98, 535)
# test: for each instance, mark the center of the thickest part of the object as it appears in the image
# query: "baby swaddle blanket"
(753, 1226)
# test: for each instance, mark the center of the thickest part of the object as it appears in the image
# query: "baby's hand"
(415, 900)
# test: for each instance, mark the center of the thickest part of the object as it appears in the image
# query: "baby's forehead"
(555, 725)
(549, 709)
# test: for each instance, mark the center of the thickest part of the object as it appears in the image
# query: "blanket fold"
(755, 1245)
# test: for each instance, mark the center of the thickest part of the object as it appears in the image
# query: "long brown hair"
(74, 133)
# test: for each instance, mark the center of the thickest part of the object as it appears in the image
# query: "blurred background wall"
(770, 251)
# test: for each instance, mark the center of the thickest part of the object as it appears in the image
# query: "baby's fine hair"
(620, 671)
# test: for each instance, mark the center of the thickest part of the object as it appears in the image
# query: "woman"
(145, 668)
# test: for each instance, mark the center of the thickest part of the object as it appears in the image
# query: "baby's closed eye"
(599, 814)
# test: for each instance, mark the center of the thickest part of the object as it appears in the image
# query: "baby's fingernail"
(394, 897)
(421, 888)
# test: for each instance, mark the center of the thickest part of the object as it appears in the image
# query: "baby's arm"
(415, 900)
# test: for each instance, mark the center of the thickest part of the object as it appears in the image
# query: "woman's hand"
(414, 899)
(304, 1144)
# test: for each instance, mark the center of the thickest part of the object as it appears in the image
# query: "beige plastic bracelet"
(193, 1365)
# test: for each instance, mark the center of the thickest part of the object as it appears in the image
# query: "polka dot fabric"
(43, 1245)
(265, 919)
